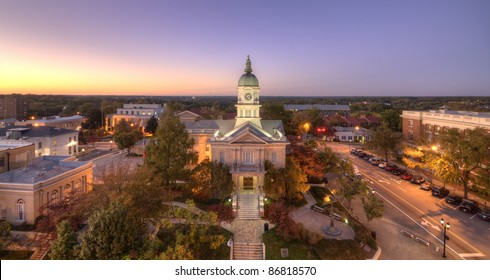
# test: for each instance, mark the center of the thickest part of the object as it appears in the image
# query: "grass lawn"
(325, 249)
(15, 255)
(298, 250)
(319, 193)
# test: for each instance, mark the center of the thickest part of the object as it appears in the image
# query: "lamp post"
(446, 227)
(83, 153)
(350, 141)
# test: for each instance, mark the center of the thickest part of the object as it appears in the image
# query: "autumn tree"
(170, 152)
(385, 140)
(112, 234)
(279, 215)
(211, 180)
(296, 180)
(151, 125)
(126, 136)
(463, 156)
(64, 247)
(329, 160)
(274, 181)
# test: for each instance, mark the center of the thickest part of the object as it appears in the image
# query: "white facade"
(346, 134)
(135, 114)
(60, 142)
(71, 122)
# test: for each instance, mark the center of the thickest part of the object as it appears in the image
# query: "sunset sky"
(297, 48)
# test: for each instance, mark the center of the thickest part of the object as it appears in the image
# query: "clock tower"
(248, 106)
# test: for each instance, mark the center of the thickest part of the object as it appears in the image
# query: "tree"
(126, 136)
(194, 237)
(4, 232)
(279, 215)
(170, 152)
(93, 118)
(385, 140)
(392, 119)
(64, 247)
(112, 234)
(329, 160)
(373, 206)
(211, 180)
(350, 188)
(151, 125)
(296, 180)
(274, 181)
(463, 157)
(276, 111)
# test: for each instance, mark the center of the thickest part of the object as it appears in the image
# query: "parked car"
(426, 186)
(382, 164)
(353, 151)
(367, 156)
(397, 171)
(417, 179)
(406, 176)
(469, 206)
(453, 199)
(389, 167)
(374, 161)
(443, 192)
(484, 215)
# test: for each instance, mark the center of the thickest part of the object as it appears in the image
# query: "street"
(410, 227)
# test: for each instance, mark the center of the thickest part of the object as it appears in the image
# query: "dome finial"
(248, 65)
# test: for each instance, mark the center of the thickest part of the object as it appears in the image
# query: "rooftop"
(41, 169)
(56, 119)
(36, 131)
(321, 107)
(9, 144)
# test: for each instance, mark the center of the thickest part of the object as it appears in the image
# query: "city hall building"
(243, 143)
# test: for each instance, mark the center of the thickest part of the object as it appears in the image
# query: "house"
(136, 115)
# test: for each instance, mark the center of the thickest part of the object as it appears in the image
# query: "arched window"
(55, 197)
(21, 214)
(78, 187)
(67, 190)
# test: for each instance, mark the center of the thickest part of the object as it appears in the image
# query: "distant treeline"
(49, 105)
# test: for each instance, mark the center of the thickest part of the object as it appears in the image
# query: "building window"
(40, 145)
(69, 139)
(2, 162)
(69, 150)
(222, 157)
(343, 137)
(248, 158)
(55, 197)
(274, 157)
(75, 138)
(21, 214)
(349, 137)
(132, 112)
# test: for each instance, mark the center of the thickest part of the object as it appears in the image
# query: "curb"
(376, 255)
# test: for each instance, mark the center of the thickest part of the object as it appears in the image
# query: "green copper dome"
(248, 79)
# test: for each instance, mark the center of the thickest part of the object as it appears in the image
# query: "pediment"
(248, 137)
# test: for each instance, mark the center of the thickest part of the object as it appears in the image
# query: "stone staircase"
(40, 252)
(248, 206)
(248, 251)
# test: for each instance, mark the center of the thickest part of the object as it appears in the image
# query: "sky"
(297, 48)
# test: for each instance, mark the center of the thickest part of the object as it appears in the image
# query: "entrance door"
(248, 183)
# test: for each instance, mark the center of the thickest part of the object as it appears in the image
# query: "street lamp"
(83, 153)
(446, 227)
(350, 141)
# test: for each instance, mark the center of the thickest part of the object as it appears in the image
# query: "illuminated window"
(248, 158)
(21, 214)
(55, 197)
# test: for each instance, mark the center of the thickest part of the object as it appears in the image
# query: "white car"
(382, 165)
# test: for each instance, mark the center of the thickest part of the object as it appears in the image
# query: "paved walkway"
(315, 221)
(246, 230)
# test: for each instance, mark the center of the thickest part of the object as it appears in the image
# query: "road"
(417, 213)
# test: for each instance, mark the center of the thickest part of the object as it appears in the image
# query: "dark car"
(484, 215)
(453, 199)
(426, 186)
(469, 206)
(397, 171)
(442, 192)
(417, 179)
(367, 156)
